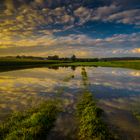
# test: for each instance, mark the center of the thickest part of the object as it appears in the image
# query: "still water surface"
(117, 91)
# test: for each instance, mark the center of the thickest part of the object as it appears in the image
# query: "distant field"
(6, 63)
(134, 64)
(17, 62)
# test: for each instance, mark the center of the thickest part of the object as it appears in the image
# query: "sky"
(86, 28)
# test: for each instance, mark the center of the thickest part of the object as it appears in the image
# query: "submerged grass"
(33, 124)
(89, 116)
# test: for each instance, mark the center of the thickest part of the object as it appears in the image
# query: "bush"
(32, 124)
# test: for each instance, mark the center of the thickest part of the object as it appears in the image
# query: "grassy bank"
(8, 64)
(32, 124)
(15, 63)
(134, 64)
(23, 62)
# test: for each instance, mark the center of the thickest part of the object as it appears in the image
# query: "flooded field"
(117, 91)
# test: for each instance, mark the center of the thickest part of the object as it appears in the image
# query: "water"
(117, 91)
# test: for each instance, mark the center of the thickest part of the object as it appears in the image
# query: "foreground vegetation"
(36, 123)
(32, 124)
(89, 116)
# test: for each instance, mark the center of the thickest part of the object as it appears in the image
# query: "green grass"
(21, 62)
(89, 116)
(13, 63)
(33, 124)
(135, 64)
(7, 64)
(36, 123)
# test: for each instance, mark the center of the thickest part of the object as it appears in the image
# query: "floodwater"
(117, 91)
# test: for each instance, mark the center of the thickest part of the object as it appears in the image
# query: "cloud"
(83, 14)
(126, 17)
(9, 6)
(136, 50)
(46, 41)
(102, 13)
(118, 39)
(81, 45)
(28, 24)
(27, 19)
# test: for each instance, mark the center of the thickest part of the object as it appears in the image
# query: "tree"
(73, 58)
(55, 57)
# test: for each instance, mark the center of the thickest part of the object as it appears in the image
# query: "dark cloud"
(74, 3)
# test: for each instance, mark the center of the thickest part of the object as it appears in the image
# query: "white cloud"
(102, 13)
(84, 14)
(126, 17)
(136, 50)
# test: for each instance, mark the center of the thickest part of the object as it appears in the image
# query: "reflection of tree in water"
(73, 68)
(54, 67)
